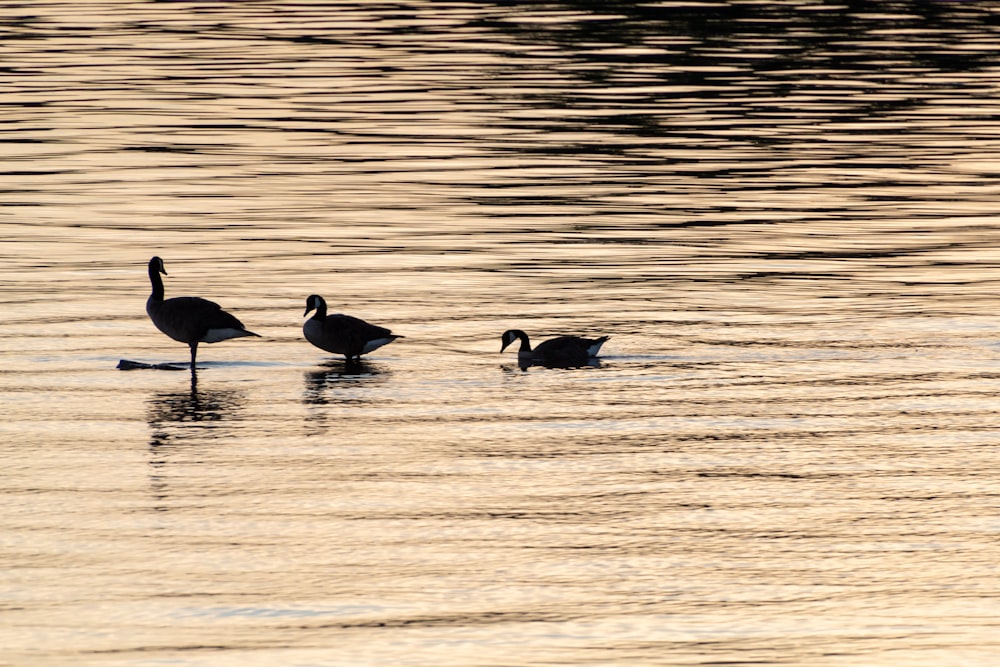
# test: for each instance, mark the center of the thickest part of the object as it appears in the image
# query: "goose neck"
(320, 313)
(525, 343)
(157, 282)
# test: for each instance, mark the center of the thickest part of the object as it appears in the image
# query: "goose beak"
(308, 310)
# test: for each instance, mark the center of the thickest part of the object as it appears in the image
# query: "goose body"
(342, 334)
(189, 319)
(561, 350)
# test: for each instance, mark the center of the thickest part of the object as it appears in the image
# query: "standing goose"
(189, 319)
(561, 350)
(342, 334)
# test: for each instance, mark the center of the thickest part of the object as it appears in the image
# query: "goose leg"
(194, 354)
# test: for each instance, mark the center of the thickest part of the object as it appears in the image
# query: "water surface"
(783, 214)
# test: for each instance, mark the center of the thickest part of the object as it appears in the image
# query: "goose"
(189, 319)
(561, 350)
(342, 334)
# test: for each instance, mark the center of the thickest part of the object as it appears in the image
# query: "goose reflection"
(185, 418)
(525, 364)
(331, 377)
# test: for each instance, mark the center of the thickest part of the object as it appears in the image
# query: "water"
(784, 215)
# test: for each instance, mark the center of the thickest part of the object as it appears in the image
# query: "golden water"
(784, 215)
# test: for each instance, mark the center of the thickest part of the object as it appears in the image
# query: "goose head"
(314, 302)
(156, 264)
(509, 337)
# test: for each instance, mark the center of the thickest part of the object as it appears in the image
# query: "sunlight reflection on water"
(783, 215)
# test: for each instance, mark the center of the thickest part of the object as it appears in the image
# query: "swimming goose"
(189, 319)
(342, 334)
(561, 350)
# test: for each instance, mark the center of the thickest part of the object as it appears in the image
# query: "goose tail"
(595, 346)
(225, 333)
